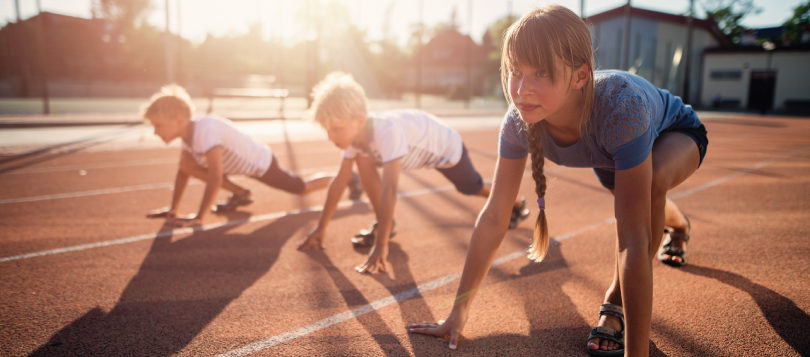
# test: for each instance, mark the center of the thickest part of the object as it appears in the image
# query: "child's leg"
(277, 177)
(675, 158)
(468, 181)
(317, 182)
(190, 166)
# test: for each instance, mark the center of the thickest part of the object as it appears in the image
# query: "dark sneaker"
(355, 190)
(366, 236)
(518, 214)
(233, 202)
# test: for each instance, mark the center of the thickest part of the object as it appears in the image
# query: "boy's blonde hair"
(338, 98)
(171, 101)
(542, 39)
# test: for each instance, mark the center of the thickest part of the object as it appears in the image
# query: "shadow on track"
(32, 157)
(555, 325)
(787, 319)
(181, 287)
(372, 322)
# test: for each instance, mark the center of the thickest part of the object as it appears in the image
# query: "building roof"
(708, 25)
(754, 49)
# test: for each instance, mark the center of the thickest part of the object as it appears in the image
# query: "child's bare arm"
(315, 238)
(633, 210)
(490, 228)
(213, 182)
(384, 210)
(180, 183)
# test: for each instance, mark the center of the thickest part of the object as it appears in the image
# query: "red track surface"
(243, 284)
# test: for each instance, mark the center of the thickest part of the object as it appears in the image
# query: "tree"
(728, 14)
(492, 42)
(797, 28)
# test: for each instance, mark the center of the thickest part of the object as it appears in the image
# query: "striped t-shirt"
(241, 154)
(419, 138)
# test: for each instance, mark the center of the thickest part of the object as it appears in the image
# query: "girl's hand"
(375, 262)
(448, 330)
(166, 212)
(314, 241)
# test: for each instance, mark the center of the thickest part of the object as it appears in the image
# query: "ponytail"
(540, 239)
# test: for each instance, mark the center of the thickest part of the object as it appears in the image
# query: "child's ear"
(581, 76)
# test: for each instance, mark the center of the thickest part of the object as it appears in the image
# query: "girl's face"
(534, 94)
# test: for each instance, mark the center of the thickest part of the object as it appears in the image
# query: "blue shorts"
(607, 177)
(463, 175)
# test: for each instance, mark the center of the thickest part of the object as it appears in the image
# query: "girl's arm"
(633, 210)
(489, 231)
(315, 238)
(384, 210)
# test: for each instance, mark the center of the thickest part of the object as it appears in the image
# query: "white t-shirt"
(241, 154)
(419, 138)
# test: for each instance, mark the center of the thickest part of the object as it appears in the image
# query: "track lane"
(214, 292)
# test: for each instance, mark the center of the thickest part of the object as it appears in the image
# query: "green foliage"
(124, 13)
(798, 24)
(728, 14)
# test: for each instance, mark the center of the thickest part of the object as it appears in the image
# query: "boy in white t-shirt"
(395, 140)
(213, 149)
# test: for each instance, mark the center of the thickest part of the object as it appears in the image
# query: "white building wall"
(792, 76)
(653, 46)
(732, 88)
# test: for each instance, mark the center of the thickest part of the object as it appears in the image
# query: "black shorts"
(463, 175)
(607, 177)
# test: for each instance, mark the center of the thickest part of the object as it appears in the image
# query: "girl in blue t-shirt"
(640, 140)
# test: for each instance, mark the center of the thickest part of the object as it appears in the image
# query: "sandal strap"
(606, 333)
(239, 198)
(675, 252)
(613, 310)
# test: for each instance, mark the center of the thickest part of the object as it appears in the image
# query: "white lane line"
(123, 189)
(56, 196)
(175, 232)
(447, 279)
(722, 180)
(67, 168)
(181, 231)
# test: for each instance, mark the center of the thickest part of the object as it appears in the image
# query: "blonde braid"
(540, 240)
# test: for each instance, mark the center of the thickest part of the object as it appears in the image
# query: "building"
(657, 45)
(757, 78)
(449, 61)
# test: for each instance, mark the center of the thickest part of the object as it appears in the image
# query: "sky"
(194, 19)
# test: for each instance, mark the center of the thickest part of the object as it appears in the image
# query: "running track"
(84, 273)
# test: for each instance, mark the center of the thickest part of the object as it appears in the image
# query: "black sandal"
(667, 248)
(606, 333)
(233, 202)
(366, 236)
(518, 214)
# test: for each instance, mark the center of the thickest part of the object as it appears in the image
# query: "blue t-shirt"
(628, 115)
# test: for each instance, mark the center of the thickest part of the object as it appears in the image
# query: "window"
(726, 74)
